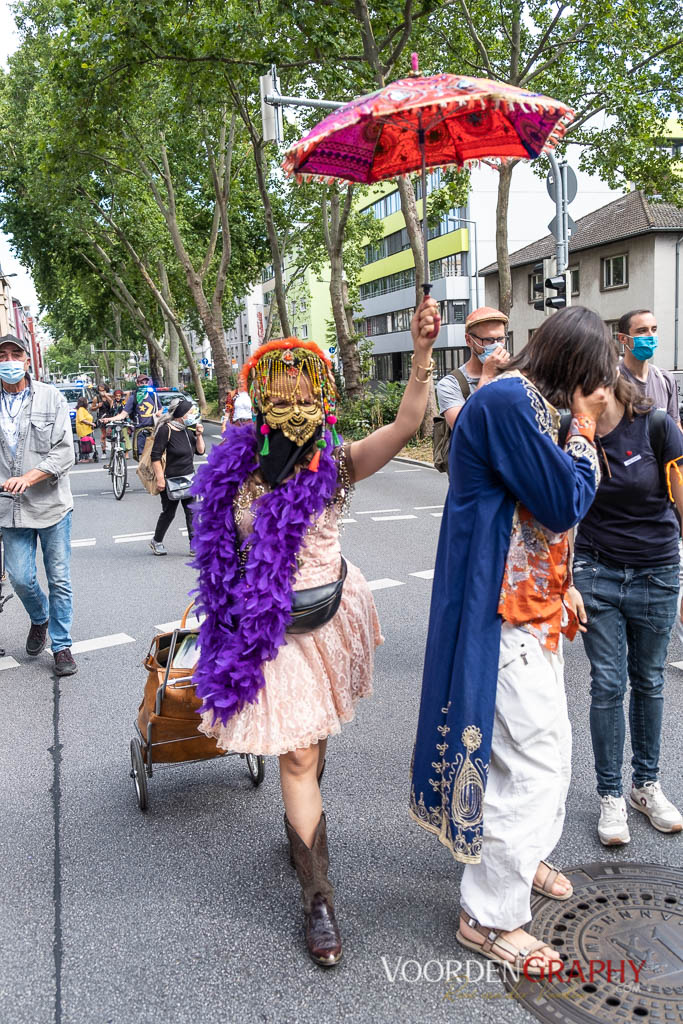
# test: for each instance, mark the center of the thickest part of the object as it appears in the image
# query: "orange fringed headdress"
(281, 344)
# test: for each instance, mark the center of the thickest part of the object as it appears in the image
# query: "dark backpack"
(656, 423)
(441, 434)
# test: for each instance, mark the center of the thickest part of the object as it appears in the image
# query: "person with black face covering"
(173, 438)
(288, 627)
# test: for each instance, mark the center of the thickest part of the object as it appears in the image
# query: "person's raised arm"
(378, 448)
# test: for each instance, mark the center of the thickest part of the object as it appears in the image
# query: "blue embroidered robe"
(504, 452)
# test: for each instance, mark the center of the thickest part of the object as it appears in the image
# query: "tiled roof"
(632, 214)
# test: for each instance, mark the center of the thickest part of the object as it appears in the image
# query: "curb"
(414, 462)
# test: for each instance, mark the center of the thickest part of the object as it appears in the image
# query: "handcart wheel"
(256, 764)
(137, 773)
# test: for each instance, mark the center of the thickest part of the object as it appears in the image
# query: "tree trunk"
(156, 370)
(333, 230)
(170, 331)
(502, 254)
(273, 241)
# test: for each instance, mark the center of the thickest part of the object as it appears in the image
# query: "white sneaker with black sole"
(157, 547)
(650, 801)
(613, 825)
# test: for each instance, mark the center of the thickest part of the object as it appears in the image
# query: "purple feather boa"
(245, 615)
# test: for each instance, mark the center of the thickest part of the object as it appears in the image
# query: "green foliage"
(360, 416)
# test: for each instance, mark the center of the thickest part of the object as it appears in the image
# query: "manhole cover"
(618, 913)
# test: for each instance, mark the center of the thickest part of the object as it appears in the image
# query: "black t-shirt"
(632, 521)
(180, 447)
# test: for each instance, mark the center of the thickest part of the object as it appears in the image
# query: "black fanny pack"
(314, 607)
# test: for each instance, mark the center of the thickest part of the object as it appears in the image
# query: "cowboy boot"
(320, 925)
(287, 825)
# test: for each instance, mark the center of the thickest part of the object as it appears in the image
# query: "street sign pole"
(565, 213)
(560, 210)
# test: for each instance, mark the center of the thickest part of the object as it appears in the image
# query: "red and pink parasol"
(416, 122)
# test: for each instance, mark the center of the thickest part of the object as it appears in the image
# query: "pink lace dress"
(315, 681)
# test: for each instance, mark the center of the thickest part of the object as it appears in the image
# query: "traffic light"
(558, 284)
(544, 270)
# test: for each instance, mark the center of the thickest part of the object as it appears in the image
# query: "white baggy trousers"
(528, 779)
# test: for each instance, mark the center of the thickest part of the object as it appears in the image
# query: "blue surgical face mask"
(644, 346)
(191, 419)
(12, 372)
(488, 350)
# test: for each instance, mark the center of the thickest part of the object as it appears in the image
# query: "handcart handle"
(183, 621)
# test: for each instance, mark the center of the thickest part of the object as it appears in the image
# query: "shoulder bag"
(314, 607)
(178, 487)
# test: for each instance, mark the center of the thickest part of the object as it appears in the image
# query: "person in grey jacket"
(36, 454)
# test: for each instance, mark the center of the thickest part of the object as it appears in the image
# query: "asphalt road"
(191, 912)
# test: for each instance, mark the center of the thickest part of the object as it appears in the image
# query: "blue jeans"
(630, 616)
(20, 562)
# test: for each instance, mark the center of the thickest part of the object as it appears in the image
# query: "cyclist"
(118, 406)
(143, 408)
(102, 405)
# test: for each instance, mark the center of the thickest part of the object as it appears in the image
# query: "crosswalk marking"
(85, 542)
(386, 519)
(676, 664)
(384, 583)
(168, 627)
(426, 508)
(437, 515)
(347, 520)
(8, 663)
(376, 511)
(93, 469)
(100, 642)
(426, 574)
(416, 470)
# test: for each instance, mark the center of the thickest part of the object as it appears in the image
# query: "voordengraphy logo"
(412, 971)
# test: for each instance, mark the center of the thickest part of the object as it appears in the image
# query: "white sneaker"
(651, 801)
(613, 826)
(157, 547)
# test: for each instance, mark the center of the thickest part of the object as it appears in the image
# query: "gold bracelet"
(427, 369)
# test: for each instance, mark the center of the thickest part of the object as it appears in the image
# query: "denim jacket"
(45, 442)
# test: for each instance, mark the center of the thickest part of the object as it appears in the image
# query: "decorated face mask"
(292, 389)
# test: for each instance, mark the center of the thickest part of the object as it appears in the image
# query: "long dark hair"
(572, 349)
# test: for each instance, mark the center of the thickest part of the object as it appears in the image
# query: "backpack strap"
(463, 382)
(565, 424)
(656, 430)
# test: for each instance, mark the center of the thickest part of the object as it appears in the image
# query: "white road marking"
(384, 583)
(131, 540)
(376, 511)
(99, 642)
(96, 469)
(437, 515)
(426, 574)
(137, 533)
(8, 663)
(79, 495)
(386, 519)
(674, 664)
(86, 542)
(416, 470)
(347, 520)
(168, 627)
(425, 508)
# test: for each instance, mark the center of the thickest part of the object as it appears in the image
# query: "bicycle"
(117, 466)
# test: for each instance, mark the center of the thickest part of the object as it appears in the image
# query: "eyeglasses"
(502, 340)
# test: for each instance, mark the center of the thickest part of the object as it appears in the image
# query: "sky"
(21, 285)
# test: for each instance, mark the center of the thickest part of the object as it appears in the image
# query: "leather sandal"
(547, 888)
(493, 941)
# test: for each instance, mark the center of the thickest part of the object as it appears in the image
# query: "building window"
(576, 283)
(453, 311)
(267, 273)
(535, 279)
(511, 342)
(614, 272)
(303, 331)
(449, 266)
(613, 327)
(398, 241)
